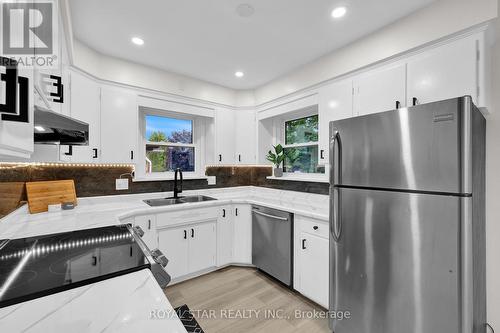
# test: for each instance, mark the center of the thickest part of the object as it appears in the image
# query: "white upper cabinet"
(119, 130)
(86, 106)
(225, 143)
(245, 135)
(16, 131)
(335, 103)
(380, 90)
(445, 72)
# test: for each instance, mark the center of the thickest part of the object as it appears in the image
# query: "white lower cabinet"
(225, 227)
(173, 243)
(189, 248)
(242, 234)
(148, 225)
(312, 259)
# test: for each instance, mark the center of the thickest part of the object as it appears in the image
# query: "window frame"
(197, 143)
(297, 145)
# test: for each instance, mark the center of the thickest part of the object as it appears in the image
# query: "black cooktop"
(38, 266)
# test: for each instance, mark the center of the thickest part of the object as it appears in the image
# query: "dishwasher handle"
(270, 216)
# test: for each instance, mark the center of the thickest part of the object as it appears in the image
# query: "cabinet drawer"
(186, 216)
(312, 226)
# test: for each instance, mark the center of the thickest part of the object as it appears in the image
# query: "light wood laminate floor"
(238, 299)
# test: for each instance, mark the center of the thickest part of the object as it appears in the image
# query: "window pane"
(163, 129)
(301, 130)
(163, 158)
(301, 159)
(180, 157)
(156, 159)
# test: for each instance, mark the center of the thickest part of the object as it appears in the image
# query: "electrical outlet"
(122, 184)
(211, 180)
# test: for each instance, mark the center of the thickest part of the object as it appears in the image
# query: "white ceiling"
(208, 40)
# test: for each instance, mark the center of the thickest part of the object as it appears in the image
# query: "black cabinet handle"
(10, 79)
(185, 234)
(131, 154)
(315, 227)
(23, 116)
(303, 244)
(236, 211)
(321, 154)
(70, 151)
(415, 101)
(398, 105)
(131, 251)
(239, 158)
(94, 153)
(149, 224)
(223, 213)
(220, 157)
(94, 261)
(192, 233)
(58, 96)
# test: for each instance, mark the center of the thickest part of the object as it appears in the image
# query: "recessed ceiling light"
(245, 10)
(339, 12)
(239, 74)
(137, 41)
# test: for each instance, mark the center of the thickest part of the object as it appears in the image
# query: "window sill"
(165, 178)
(302, 178)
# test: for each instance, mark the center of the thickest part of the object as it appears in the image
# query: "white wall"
(493, 192)
(126, 72)
(441, 19)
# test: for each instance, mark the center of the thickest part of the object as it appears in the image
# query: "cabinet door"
(335, 102)
(313, 270)
(202, 246)
(173, 243)
(119, 124)
(445, 72)
(380, 90)
(148, 225)
(225, 136)
(16, 136)
(242, 234)
(225, 236)
(85, 106)
(246, 142)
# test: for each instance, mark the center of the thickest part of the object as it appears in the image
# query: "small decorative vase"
(278, 172)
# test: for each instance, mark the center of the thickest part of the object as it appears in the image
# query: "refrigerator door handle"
(335, 169)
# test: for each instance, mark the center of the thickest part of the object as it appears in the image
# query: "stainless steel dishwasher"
(272, 242)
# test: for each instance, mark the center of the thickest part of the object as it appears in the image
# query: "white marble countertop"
(122, 304)
(129, 303)
(110, 210)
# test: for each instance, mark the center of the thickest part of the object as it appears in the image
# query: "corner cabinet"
(225, 243)
(235, 137)
(312, 261)
(119, 130)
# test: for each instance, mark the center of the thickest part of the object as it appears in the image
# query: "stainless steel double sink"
(178, 200)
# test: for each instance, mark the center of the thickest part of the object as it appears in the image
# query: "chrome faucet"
(176, 187)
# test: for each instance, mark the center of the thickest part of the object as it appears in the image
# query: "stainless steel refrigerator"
(407, 220)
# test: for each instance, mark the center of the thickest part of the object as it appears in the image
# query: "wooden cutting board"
(42, 194)
(12, 194)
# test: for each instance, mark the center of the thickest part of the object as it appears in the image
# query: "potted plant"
(276, 158)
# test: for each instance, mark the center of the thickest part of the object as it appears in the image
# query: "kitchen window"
(301, 145)
(169, 144)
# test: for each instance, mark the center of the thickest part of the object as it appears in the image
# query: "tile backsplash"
(100, 180)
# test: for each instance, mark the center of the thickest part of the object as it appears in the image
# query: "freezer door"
(395, 262)
(426, 148)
